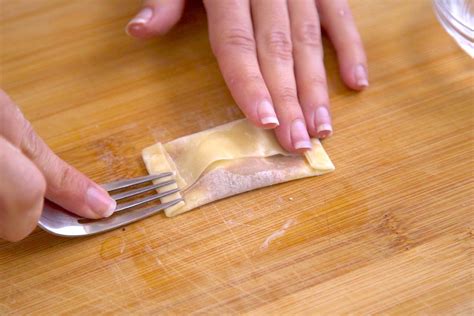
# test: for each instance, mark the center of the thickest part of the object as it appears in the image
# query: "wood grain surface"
(390, 231)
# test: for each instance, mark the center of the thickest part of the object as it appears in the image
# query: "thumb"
(64, 184)
(155, 18)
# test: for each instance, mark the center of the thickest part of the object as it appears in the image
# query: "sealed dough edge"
(227, 160)
(157, 161)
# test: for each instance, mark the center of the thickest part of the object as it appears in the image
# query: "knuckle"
(317, 81)
(236, 39)
(278, 45)
(66, 177)
(36, 188)
(30, 143)
(20, 230)
(23, 212)
(308, 34)
(288, 95)
(241, 78)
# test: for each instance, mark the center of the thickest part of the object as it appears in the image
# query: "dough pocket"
(227, 160)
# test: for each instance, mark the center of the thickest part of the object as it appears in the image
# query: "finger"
(155, 18)
(309, 67)
(64, 184)
(274, 46)
(22, 191)
(337, 19)
(233, 43)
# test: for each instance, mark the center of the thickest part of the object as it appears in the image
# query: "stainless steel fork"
(58, 221)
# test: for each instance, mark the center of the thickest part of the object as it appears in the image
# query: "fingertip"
(322, 122)
(324, 131)
(100, 202)
(267, 117)
(269, 122)
(265, 123)
(137, 31)
(261, 115)
(293, 136)
(355, 76)
(137, 27)
(299, 136)
(360, 76)
(155, 18)
(302, 146)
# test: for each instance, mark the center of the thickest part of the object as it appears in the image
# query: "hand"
(271, 57)
(30, 171)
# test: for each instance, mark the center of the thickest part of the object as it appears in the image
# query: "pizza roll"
(227, 160)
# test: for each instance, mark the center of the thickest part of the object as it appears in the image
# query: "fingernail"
(361, 76)
(323, 122)
(142, 18)
(299, 135)
(100, 202)
(267, 114)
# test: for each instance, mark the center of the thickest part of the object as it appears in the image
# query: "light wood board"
(389, 231)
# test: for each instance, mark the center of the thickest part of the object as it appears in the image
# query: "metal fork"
(58, 221)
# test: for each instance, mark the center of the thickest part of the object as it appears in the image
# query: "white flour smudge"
(159, 134)
(108, 158)
(230, 223)
(279, 233)
(148, 249)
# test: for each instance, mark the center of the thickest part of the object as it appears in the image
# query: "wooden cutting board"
(389, 231)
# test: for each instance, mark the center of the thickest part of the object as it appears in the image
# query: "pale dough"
(226, 160)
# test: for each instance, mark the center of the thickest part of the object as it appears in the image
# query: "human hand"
(271, 56)
(30, 172)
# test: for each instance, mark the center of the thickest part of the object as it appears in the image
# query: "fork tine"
(130, 193)
(129, 182)
(125, 206)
